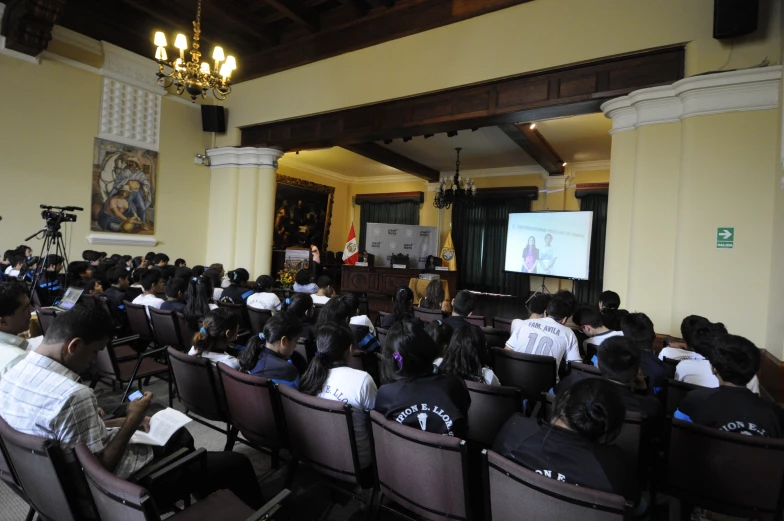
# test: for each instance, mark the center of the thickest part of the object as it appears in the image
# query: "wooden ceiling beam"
(27, 24)
(358, 7)
(387, 157)
(308, 18)
(535, 145)
(379, 3)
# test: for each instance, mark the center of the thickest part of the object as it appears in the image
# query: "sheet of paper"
(162, 426)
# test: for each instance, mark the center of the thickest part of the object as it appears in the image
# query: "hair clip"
(439, 322)
(319, 354)
(399, 358)
(195, 279)
(261, 336)
(288, 301)
(203, 331)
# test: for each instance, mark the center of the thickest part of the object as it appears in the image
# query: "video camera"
(55, 215)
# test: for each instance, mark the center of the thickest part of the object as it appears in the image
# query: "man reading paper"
(42, 395)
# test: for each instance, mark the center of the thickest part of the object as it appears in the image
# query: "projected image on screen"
(552, 244)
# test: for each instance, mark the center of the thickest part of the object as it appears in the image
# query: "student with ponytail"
(466, 356)
(402, 308)
(301, 306)
(328, 376)
(574, 447)
(198, 300)
(267, 353)
(218, 329)
(238, 291)
(264, 298)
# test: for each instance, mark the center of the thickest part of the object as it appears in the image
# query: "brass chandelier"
(193, 76)
(458, 190)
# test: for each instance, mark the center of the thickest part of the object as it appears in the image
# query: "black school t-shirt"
(566, 456)
(435, 403)
(733, 409)
(235, 294)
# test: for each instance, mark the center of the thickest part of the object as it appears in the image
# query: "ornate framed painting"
(303, 213)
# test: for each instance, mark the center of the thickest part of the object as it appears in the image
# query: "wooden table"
(380, 284)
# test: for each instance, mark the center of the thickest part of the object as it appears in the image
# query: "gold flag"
(448, 253)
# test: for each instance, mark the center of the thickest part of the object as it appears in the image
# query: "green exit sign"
(725, 237)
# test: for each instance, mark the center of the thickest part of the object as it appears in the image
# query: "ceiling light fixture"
(192, 76)
(532, 126)
(564, 164)
(457, 190)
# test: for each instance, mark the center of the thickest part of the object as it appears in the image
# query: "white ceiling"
(486, 148)
(579, 138)
(340, 161)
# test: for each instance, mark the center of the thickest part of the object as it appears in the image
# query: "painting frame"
(124, 188)
(308, 191)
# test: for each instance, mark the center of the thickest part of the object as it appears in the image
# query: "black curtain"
(479, 234)
(404, 212)
(588, 291)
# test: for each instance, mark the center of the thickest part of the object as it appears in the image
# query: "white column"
(242, 201)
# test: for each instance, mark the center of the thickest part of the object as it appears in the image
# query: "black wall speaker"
(213, 118)
(732, 18)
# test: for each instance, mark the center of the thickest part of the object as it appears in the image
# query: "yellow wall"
(498, 45)
(673, 185)
(49, 119)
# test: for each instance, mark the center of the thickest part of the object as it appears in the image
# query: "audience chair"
(428, 315)
(8, 476)
(253, 409)
(166, 330)
(732, 474)
(436, 486)
(491, 406)
(118, 499)
(241, 311)
(496, 337)
(476, 320)
(110, 367)
(671, 363)
(200, 392)
(380, 317)
(511, 489)
(47, 481)
(674, 393)
(503, 323)
(321, 435)
(587, 369)
(133, 292)
(532, 374)
(186, 333)
(257, 318)
(316, 311)
(382, 336)
(45, 318)
(139, 322)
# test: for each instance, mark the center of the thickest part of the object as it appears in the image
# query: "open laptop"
(68, 301)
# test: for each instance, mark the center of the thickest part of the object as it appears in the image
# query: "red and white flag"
(351, 251)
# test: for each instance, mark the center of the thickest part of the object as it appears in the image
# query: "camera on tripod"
(56, 215)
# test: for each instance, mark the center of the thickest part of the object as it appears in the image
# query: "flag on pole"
(448, 253)
(351, 251)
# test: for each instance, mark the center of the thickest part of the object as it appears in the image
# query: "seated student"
(412, 394)
(218, 329)
(29, 267)
(302, 283)
(152, 284)
(356, 319)
(198, 270)
(136, 277)
(93, 258)
(14, 268)
(175, 295)
(118, 278)
(183, 273)
(92, 287)
(591, 324)
(79, 271)
(264, 298)
(732, 407)
(215, 281)
(466, 355)
(198, 301)
(328, 376)
(325, 290)
(138, 262)
(609, 304)
(6, 262)
(237, 292)
(547, 336)
(24, 250)
(435, 297)
(223, 279)
(267, 353)
(619, 362)
(301, 306)
(568, 297)
(161, 262)
(698, 370)
(441, 333)
(42, 396)
(402, 308)
(180, 263)
(15, 313)
(575, 446)
(638, 328)
(536, 308)
(126, 261)
(462, 306)
(691, 327)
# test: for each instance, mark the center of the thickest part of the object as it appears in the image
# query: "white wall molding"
(122, 240)
(243, 157)
(130, 68)
(74, 39)
(130, 113)
(742, 90)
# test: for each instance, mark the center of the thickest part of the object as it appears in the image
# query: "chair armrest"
(199, 455)
(124, 340)
(154, 352)
(269, 509)
(155, 467)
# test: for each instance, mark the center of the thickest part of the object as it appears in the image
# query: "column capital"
(244, 157)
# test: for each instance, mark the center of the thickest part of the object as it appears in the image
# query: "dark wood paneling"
(536, 146)
(569, 90)
(771, 376)
(385, 281)
(393, 159)
(27, 24)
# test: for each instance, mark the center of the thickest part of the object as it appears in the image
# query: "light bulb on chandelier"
(455, 190)
(194, 76)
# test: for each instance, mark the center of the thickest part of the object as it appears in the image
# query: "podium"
(380, 284)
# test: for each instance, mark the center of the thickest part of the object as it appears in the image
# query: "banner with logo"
(385, 240)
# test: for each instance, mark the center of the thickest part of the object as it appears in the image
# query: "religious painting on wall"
(303, 214)
(123, 188)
